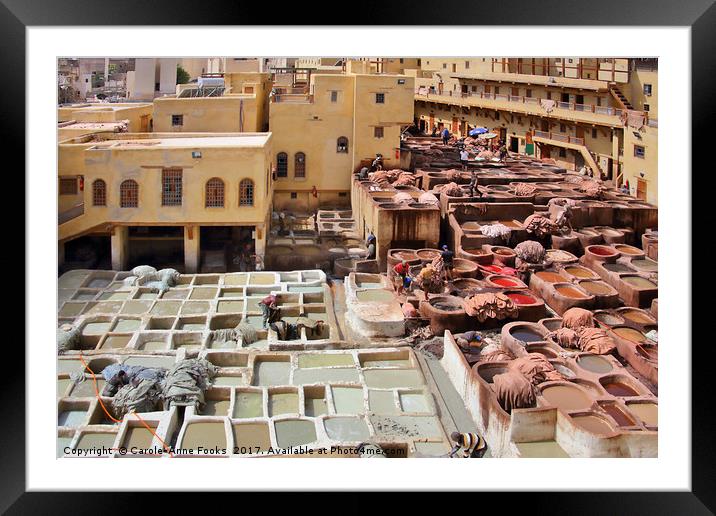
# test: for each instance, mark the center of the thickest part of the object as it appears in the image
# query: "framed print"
(383, 240)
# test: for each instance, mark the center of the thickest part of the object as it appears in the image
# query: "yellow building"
(336, 125)
(575, 111)
(241, 105)
(190, 201)
(138, 114)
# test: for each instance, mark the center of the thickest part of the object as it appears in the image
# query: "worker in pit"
(377, 163)
(269, 309)
(370, 244)
(401, 270)
(448, 257)
(468, 445)
(119, 380)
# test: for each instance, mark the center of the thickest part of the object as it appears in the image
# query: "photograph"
(357, 257)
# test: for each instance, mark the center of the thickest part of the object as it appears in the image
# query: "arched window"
(282, 165)
(300, 165)
(342, 145)
(246, 192)
(129, 194)
(214, 193)
(99, 193)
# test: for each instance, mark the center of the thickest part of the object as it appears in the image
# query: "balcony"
(289, 94)
(589, 113)
(564, 138)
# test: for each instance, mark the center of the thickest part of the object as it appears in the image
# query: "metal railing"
(559, 137)
(571, 106)
(70, 214)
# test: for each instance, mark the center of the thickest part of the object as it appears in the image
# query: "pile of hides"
(395, 177)
(590, 340)
(578, 332)
(524, 189)
(592, 189)
(452, 175)
(141, 394)
(494, 353)
(561, 201)
(243, 331)
(68, 337)
(530, 251)
(536, 368)
(428, 198)
(539, 225)
(429, 279)
(405, 178)
(576, 318)
(403, 198)
(449, 189)
(496, 230)
(486, 154)
(514, 390)
(490, 306)
(186, 382)
(156, 280)
(436, 153)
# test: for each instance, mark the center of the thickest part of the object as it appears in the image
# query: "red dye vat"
(504, 282)
(521, 299)
(493, 268)
(601, 251)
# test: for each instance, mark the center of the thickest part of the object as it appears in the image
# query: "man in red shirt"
(401, 270)
(269, 309)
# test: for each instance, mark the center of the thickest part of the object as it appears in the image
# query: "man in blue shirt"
(446, 136)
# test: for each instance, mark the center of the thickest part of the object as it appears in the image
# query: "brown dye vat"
(546, 352)
(405, 255)
(648, 413)
(512, 224)
(608, 319)
(601, 250)
(427, 254)
(628, 249)
(617, 388)
(594, 424)
(629, 334)
(580, 272)
(637, 316)
(596, 287)
(569, 291)
(650, 353)
(638, 282)
(617, 414)
(550, 277)
(566, 397)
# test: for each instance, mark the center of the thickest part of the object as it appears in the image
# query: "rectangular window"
(294, 195)
(529, 93)
(646, 107)
(68, 186)
(342, 194)
(647, 90)
(562, 153)
(467, 65)
(171, 186)
(497, 115)
(594, 132)
(334, 96)
(497, 90)
(401, 60)
(380, 98)
(378, 132)
(639, 151)
(444, 66)
(562, 128)
(177, 120)
(474, 88)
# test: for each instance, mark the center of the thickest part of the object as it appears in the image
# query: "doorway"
(641, 189)
(226, 248)
(514, 144)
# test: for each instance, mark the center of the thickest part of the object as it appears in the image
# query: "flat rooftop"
(563, 82)
(174, 140)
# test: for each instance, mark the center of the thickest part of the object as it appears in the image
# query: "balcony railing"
(559, 137)
(70, 214)
(571, 106)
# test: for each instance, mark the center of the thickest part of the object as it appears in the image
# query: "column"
(192, 249)
(120, 247)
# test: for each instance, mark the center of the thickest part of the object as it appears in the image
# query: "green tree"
(182, 75)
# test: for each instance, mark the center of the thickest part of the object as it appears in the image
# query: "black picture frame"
(699, 15)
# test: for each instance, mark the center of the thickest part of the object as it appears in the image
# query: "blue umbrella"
(477, 131)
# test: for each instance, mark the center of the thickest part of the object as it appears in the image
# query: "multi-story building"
(188, 201)
(331, 125)
(239, 105)
(575, 111)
